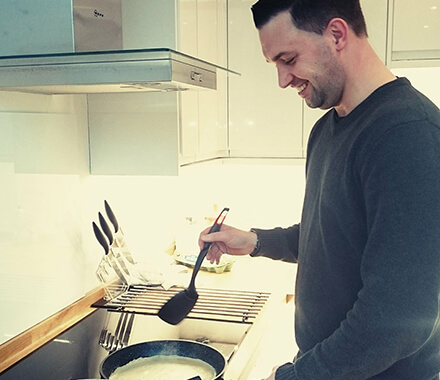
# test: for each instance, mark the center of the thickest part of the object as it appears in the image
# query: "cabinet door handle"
(196, 76)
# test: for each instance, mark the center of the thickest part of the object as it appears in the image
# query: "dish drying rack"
(122, 295)
(213, 304)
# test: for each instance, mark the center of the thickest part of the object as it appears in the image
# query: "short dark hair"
(312, 15)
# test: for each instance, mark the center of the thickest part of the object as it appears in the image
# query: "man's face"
(304, 61)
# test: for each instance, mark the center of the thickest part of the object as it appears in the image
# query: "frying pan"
(183, 348)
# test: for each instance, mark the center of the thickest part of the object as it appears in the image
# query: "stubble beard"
(328, 86)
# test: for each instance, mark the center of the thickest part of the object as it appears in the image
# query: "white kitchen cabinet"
(202, 29)
(187, 21)
(404, 33)
(212, 42)
(203, 123)
(211, 31)
(414, 33)
(156, 24)
(264, 120)
(207, 30)
(189, 126)
(213, 132)
(193, 27)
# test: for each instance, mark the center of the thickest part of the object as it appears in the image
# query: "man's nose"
(284, 76)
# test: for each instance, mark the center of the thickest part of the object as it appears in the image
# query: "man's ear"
(337, 30)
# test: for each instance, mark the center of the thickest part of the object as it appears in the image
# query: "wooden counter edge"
(30, 340)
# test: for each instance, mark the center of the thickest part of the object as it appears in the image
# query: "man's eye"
(289, 61)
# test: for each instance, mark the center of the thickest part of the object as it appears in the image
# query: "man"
(368, 245)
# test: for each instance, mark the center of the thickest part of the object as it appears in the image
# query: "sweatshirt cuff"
(265, 239)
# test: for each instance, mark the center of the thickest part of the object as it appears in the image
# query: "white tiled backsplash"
(48, 200)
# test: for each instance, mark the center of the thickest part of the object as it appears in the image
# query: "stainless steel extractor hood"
(109, 71)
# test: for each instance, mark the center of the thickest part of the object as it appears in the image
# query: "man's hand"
(228, 240)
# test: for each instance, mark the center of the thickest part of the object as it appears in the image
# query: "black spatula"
(178, 307)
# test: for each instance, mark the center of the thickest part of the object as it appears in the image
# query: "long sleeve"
(279, 243)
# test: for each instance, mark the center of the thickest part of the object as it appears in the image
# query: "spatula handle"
(215, 228)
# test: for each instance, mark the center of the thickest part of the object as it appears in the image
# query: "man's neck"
(365, 73)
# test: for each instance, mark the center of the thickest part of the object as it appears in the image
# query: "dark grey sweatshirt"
(368, 245)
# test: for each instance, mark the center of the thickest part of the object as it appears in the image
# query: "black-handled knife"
(101, 238)
(105, 227)
(111, 216)
(118, 233)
